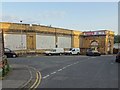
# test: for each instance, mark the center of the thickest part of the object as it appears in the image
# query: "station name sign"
(94, 33)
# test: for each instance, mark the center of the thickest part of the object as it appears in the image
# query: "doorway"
(94, 45)
(30, 42)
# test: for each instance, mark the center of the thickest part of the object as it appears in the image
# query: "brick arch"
(94, 41)
(94, 44)
(109, 47)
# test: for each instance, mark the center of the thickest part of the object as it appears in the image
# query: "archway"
(109, 48)
(94, 45)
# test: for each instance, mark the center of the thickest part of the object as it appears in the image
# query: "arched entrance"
(94, 45)
(109, 48)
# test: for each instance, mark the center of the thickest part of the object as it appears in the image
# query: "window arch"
(94, 45)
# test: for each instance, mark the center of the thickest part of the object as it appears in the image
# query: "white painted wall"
(45, 41)
(64, 42)
(13, 41)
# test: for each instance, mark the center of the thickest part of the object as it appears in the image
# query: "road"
(73, 71)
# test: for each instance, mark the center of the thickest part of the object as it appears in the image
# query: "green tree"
(117, 39)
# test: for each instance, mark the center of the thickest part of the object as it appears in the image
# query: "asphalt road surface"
(73, 71)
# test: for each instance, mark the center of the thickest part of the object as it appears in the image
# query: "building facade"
(26, 38)
(102, 40)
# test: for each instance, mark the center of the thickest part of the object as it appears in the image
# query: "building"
(102, 40)
(26, 38)
(1, 51)
(116, 48)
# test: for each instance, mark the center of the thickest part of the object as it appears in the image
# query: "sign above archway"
(94, 33)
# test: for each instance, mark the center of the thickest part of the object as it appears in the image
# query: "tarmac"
(18, 77)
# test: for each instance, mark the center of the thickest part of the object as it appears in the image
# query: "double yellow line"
(37, 81)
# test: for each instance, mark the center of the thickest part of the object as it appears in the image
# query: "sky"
(82, 16)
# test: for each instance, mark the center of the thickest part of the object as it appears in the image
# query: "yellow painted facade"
(78, 39)
(105, 42)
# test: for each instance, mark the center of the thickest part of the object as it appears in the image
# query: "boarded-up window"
(15, 41)
(45, 41)
(64, 42)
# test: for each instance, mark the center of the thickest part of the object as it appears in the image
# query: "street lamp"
(56, 41)
(21, 39)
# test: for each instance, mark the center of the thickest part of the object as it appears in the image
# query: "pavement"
(18, 77)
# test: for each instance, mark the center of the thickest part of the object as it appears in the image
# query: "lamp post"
(21, 39)
(56, 41)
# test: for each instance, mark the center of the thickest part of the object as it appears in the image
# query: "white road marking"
(93, 57)
(77, 62)
(68, 65)
(53, 73)
(63, 67)
(59, 70)
(46, 76)
(71, 64)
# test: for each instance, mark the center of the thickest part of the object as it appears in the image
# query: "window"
(54, 50)
(7, 50)
(73, 49)
(94, 43)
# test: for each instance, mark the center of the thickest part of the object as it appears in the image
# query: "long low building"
(26, 38)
